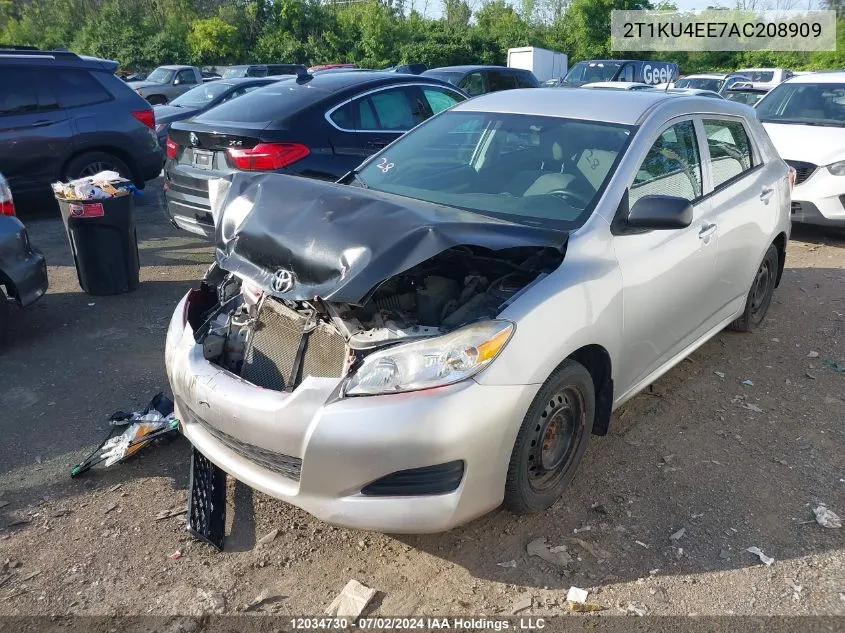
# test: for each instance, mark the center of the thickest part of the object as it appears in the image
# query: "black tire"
(543, 461)
(760, 295)
(90, 163)
(157, 100)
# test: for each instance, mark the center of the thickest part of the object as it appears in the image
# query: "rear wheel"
(761, 293)
(552, 440)
(91, 163)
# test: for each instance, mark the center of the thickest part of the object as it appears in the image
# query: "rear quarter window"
(265, 105)
(75, 88)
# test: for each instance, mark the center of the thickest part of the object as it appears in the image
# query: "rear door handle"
(766, 194)
(707, 232)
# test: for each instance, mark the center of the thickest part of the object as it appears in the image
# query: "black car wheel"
(92, 163)
(552, 440)
(760, 295)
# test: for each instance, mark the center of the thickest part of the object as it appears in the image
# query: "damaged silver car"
(444, 329)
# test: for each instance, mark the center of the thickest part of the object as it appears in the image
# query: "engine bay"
(454, 288)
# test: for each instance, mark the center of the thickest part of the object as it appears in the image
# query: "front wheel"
(761, 293)
(551, 440)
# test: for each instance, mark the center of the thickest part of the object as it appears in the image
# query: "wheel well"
(597, 361)
(126, 157)
(780, 244)
(11, 289)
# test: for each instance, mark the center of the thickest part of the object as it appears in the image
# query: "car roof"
(465, 68)
(602, 61)
(175, 66)
(235, 81)
(619, 85)
(332, 82)
(832, 77)
(742, 70)
(705, 76)
(625, 107)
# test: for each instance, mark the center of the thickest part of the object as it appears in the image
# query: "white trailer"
(545, 64)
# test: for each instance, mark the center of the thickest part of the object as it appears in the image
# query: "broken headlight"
(432, 362)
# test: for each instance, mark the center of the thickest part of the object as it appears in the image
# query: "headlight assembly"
(434, 362)
(837, 169)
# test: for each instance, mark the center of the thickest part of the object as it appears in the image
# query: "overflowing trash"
(827, 518)
(102, 185)
(154, 421)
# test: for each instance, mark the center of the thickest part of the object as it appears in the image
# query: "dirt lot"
(690, 455)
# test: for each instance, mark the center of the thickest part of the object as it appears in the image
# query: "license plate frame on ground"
(202, 159)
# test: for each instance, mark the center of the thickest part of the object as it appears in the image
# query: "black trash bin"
(104, 244)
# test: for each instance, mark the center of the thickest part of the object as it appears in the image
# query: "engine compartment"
(452, 289)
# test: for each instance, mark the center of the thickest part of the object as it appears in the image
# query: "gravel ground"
(657, 521)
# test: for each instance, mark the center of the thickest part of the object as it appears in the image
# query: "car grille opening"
(802, 170)
(428, 480)
(795, 208)
(285, 465)
(284, 350)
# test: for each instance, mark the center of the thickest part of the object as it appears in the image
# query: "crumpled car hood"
(299, 239)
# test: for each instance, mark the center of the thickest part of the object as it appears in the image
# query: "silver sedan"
(442, 331)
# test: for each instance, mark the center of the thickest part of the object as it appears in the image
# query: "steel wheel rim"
(760, 289)
(555, 439)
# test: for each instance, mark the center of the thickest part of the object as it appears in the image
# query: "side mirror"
(660, 212)
(176, 82)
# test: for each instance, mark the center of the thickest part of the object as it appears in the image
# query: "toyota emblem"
(194, 140)
(283, 281)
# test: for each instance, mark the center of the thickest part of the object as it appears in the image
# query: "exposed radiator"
(271, 359)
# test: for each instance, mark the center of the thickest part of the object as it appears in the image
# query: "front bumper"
(24, 267)
(820, 200)
(317, 452)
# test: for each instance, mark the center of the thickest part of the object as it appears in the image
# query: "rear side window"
(18, 92)
(74, 88)
(186, 77)
(501, 81)
(473, 84)
(267, 104)
(439, 99)
(730, 150)
(523, 80)
(397, 109)
(672, 166)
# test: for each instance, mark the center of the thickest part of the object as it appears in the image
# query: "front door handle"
(706, 232)
(766, 194)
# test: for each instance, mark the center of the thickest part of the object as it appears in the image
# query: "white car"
(766, 77)
(805, 118)
(712, 82)
(618, 85)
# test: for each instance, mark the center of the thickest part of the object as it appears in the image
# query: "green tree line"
(142, 34)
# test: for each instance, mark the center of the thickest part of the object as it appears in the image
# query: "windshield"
(591, 71)
(525, 168)
(759, 76)
(237, 71)
(700, 83)
(161, 76)
(448, 76)
(808, 104)
(201, 95)
(744, 96)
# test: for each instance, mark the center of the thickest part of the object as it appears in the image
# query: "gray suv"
(63, 116)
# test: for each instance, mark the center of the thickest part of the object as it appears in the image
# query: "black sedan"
(318, 126)
(202, 98)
